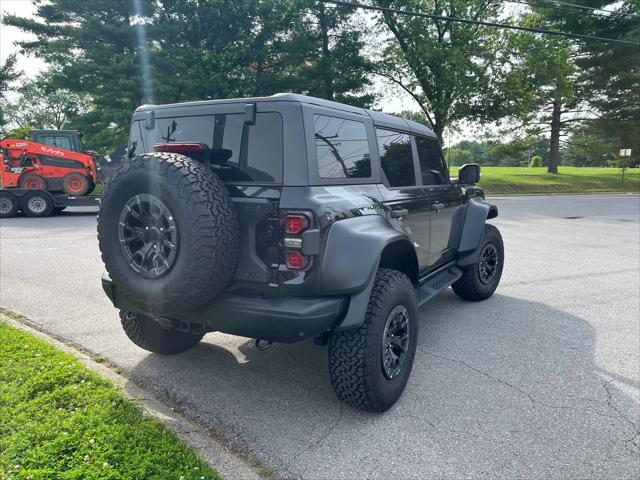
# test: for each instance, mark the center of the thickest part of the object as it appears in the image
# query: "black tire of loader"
(207, 226)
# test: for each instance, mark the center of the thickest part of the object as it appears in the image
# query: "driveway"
(541, 380)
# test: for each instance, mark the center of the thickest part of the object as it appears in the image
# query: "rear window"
(342, 148)
(239, 152)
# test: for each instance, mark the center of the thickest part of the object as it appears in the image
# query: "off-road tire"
(469, 286)
(40, 199)
(75, 184)
(10, 205)
(32, 181)
(206, 224)
(355, 356)
(150, 335)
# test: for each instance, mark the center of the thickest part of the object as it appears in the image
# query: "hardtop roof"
(379, 119)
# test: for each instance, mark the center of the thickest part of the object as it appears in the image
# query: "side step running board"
(435, 285)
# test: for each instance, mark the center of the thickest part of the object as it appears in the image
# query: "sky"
(394, 100)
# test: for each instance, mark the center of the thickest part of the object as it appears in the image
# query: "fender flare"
(351, 258)
(476, 215)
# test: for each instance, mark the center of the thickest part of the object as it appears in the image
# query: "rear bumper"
(279, 319)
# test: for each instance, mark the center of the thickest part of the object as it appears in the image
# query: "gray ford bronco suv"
(286, 218)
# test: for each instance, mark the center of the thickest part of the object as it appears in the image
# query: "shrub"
(536, 161)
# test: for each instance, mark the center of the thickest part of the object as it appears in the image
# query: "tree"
(452, 70)
(457, 156)
(545, 73)
(44, 106)
(92, 49)
(610, 73)
(8, 74)
(123, 53)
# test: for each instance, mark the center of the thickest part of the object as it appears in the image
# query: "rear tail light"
(295, 260)
(295, 223)
(293, 226)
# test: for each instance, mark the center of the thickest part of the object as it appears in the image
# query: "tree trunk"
(554, 145)
(438, 129)
(327, 79)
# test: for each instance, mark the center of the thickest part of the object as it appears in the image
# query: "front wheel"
(480, 280)
(151, 335)
(370, 366)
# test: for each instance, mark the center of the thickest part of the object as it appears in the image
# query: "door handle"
(399, 213)
(437, 206)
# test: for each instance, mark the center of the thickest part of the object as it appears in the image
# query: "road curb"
(227, 463)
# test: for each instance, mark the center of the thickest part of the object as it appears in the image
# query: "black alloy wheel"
(148, 235)
(395, 341)
(488, 265)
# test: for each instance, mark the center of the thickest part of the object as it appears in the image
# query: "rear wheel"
(75, 184)
(370, 366)
(480, 280)
(9, 205)
(37, 204)
(151, 335)
(32, 181)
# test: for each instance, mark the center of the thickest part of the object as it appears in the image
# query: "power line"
(585, 7)
(533, 4)
(480, 22)
(596, 12)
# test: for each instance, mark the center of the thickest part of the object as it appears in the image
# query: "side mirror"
(469, 174)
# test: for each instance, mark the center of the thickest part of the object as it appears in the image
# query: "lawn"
(496, 180)
(60, 420)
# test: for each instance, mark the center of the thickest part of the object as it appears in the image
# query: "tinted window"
(342, 148)
(396, 157)
(260, 160)
(432, 167)
(136, 145)
(182, 129)
(56, 141)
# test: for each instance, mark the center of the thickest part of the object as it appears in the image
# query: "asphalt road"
(540, 381)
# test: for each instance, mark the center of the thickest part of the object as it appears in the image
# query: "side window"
(342, 148)
(432, 166)
(396, 157)
(56, 141)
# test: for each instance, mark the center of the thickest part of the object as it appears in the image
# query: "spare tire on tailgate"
(168, 232)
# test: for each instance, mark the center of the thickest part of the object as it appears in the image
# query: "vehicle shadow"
(504, 375)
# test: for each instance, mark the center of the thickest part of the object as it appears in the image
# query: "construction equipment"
(50, 172)
(54, 160)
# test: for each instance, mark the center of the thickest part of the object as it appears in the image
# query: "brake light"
(295, 260)
(183, 148)
(295, 223)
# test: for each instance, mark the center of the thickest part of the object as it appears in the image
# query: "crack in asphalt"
(533, 400)
(636, 431)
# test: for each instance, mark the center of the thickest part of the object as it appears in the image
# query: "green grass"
(60, 420)
(497, 180)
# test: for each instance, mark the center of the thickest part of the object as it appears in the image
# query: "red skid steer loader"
(54, 160)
